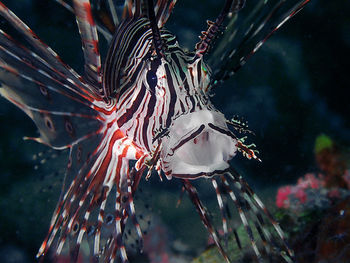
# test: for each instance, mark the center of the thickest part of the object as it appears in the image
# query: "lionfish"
(145, 108)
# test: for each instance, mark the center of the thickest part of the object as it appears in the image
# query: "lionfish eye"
(152, 79)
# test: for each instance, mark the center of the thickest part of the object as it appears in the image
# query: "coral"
(307, 193)
(315, 212)
(321, 190)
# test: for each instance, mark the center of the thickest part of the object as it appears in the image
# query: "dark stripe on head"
(150, 109)
(172, 96)
(129, 114)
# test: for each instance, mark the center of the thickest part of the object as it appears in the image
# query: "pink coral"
(298, 191)
(284, 193)
(310, 181)
(282, 199)
(310, 190)
(300, 194)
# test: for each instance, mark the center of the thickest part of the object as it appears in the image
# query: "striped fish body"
(149, 102)
(163, 102)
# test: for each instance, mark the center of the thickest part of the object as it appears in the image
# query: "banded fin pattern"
(243, 37)
(46, 54)
(265, 235)
(99, 173)
(69, 114)
(26, 77)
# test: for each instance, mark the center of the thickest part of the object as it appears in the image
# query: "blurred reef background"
(294, 89)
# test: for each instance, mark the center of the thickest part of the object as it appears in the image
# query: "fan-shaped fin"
(97, 174)
(243, 38)
(55, 103)
(45, 53)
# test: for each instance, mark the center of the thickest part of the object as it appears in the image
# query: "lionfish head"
(194, 137)
(196, 140)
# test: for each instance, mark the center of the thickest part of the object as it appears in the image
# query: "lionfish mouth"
(198, 144)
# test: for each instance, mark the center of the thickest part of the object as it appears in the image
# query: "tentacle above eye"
(210, 34)
(157, 40)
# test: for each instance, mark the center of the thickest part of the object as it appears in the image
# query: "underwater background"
(294, 89)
